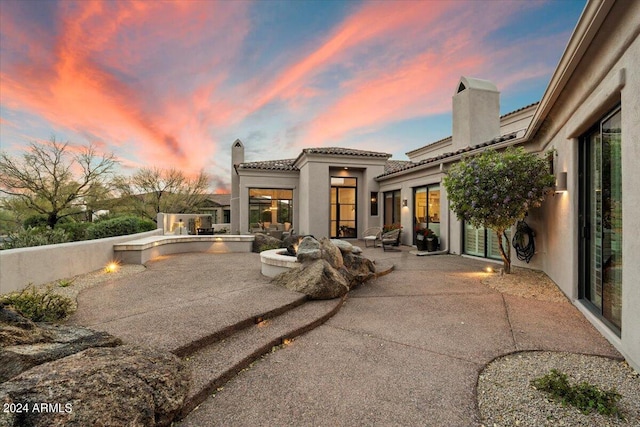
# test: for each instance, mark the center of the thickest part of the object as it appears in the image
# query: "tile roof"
(274, 165)
(411, 165)
(395, 165)
(220, 199)
(519, 109)
(345, 152)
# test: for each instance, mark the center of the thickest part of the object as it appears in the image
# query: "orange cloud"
(94, 86)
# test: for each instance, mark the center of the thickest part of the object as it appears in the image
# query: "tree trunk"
(52, 220)
(506, 256)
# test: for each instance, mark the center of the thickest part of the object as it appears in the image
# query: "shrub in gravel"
(39, 305)
(584, 396)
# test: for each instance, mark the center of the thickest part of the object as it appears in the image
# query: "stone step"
(212, 366)
(223, 332)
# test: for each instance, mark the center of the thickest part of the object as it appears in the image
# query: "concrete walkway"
(405, 349)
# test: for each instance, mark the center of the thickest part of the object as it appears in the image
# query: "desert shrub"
(36, 236)
(584, 396)
(119, 226)
(269, 246)
(76, 230)
(39, 305)
(35, 221)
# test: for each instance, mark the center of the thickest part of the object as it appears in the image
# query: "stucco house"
(589, 116)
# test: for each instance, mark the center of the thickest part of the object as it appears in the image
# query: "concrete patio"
(404, 349)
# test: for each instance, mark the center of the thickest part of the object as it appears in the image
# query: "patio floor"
(404, 349)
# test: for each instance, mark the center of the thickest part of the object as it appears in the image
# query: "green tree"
(151, 191)
(51, 180)
(495, 189)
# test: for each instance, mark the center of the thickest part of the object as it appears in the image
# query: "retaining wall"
(43, 264)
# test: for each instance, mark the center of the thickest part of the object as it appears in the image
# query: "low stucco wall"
(43, 264)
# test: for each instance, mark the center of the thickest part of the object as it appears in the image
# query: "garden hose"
(523, 242)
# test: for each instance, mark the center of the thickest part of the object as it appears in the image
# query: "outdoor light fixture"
(404, 203)
(561, 182)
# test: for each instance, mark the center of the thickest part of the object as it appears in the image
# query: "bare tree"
(50, 180)
(153, 190)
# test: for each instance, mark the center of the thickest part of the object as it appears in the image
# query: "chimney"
(237, 157)
(476, 113)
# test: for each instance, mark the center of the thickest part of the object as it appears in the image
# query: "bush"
(119, 226)
(36, 236)
(586, 397)
(269, 246)
(76, 230)
(35, 221)
(39, 305)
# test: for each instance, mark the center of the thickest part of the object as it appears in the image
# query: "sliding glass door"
(601, 219)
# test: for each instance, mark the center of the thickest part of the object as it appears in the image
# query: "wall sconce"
(561, 182)
(405, 203)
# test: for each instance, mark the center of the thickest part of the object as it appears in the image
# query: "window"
(392, 205)
(600, 219)
(426, 207)
(270, 206)
(483, 242)
(374, 203)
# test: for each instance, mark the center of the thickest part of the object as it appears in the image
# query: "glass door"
(601, 220)
(343, 208)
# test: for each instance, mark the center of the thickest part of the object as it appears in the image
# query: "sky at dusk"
(174, 83)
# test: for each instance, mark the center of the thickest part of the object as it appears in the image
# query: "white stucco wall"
(42, 264)
(607, 75)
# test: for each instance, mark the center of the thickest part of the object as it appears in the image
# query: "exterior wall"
(265, 179)
(42, 264)
(606, 76)
(315, 178)
(518, 121)
(476, 115)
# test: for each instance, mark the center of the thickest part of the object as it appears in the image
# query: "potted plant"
(432, 240)
(421, 241)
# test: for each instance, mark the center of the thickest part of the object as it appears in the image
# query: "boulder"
(344, 246)
(309, 249)
(123, 385)
(262, 239)
(317, 279)
(358, 269)
(25, 344)
(331, 253)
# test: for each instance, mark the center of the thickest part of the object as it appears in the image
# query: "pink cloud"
(94, 84)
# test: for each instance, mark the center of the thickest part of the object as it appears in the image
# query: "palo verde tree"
(53, 180)
(152, 190)
(495, 189)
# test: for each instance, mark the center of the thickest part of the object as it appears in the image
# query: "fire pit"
(276, 261)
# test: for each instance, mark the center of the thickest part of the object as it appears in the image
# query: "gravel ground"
(525, 283)
(84, 281)
(505, 396)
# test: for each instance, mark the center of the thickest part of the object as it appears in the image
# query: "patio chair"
(372, 235)
(390, 240)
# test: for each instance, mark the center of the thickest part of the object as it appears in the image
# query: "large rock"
(121, 386)
(262, 239)
(358, 269)
(25, 344)
(317, 279)
(309, 249)
(331, 253)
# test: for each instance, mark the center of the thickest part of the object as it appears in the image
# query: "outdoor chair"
(390, 240)
(372, 235)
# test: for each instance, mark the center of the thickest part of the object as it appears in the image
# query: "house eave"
(588, 25)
